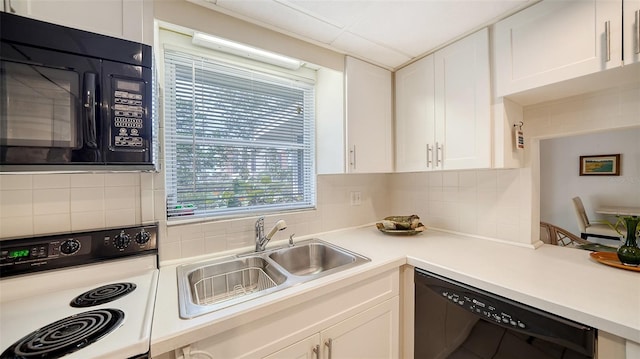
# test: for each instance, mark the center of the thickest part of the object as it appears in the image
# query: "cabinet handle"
(316, 351)
(438, 154)
(353, 157)
(607, 34)
(637, 31)
(429, 155)
(8, 7)
(329, 345)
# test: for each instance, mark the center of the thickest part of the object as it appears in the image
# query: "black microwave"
(72, 100)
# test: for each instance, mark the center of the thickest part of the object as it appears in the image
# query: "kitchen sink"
(311, 258)
(211, 285)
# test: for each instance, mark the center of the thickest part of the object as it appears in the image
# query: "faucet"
(261, 239)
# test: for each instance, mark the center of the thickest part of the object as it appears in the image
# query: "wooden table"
(619, 211)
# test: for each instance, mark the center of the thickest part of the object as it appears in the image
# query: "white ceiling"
(389, 33)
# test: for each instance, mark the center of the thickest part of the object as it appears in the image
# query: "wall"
(480, 202)
(505, 204)
(560, 180)
(333, 212)
(616, 108)
(51, 203)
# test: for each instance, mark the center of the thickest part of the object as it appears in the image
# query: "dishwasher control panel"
(482, 307)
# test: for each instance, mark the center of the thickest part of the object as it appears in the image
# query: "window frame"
(308, 178)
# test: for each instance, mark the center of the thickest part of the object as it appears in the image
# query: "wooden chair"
(588, 229)
(551, 234)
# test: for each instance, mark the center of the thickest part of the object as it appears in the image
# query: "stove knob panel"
(142, 237)
(122, 240)
(70, 246)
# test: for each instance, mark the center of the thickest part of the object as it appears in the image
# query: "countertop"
(562, 281)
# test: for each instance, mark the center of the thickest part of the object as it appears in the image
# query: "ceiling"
(389, 33)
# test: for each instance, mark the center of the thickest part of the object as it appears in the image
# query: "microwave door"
(41, 118)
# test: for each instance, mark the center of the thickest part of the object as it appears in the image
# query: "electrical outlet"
(356, 198)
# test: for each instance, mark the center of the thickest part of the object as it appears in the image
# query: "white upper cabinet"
(463, 100)
(415, 116)
(631, 31)
(443, 115)
(125, 19)
(369, 120)
(553, 41)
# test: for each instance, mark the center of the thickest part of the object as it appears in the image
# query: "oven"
(72, 100)
(79, 295)
(455, 320)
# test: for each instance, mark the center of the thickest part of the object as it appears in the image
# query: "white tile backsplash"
(15, 182)
(16, 203)
(89, 199)
(51, 201)
(81, 180)
(52, 223)
(87, 220)
(463, 201)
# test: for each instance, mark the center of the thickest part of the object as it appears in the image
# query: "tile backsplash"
(486, 203)
(51, 203)
(333, 211)
(478, 202)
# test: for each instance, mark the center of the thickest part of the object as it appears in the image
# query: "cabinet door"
(369, 126)
(462, 91)
(373, 333)
(631, 31)
(308, 348)
(415, 116)
(117, 18)
(553, 41)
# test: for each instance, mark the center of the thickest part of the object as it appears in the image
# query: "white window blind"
(236, 140)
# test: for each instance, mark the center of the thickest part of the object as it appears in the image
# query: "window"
(236, 140)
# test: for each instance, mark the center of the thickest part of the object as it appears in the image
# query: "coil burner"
(101, 295)
(67, 335)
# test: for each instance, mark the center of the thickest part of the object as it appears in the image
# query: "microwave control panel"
(128, 128)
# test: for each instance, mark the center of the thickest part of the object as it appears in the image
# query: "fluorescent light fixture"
(235, 48)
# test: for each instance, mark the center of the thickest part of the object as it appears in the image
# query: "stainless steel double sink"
(207, 286)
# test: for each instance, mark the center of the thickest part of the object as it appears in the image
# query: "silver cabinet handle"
(8, 7)
(329, 345)
(637, 31)
(429, 156)
(607, 34)
(353, 157)
(438, 154)
(316, 351)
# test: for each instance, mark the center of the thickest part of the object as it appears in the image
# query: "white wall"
(334, 211)
(486, 203)
(51, 203)
(560, 180)
(616, 108)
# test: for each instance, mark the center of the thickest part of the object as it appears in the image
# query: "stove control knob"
(122, 240)
(69, 246)
(142, 237)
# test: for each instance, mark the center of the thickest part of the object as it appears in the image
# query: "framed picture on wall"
(600, 165)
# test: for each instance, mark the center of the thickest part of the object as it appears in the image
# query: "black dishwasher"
(454, 320)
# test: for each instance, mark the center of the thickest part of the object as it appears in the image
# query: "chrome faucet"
(261, 239)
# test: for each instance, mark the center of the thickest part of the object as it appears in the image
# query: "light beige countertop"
(563, 281)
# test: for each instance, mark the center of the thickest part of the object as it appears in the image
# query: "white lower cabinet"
(306, 348)
(370, 334)
(350, 319)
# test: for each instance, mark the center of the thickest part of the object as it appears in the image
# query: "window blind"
(236, 140)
